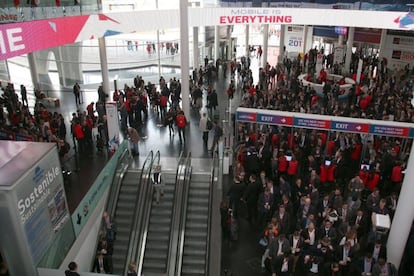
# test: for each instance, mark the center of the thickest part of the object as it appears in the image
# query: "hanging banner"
(275, 119)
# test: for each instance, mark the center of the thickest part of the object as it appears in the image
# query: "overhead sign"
(350, 127)
(275, 119)
(246, 117)
(389, 130)
(312, 123)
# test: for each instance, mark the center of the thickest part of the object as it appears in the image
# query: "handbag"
(263, 242)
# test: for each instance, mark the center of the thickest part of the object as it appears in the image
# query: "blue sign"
(246, 117)
(351, 127)
(389, 130)
(312, 123)
(274, 119)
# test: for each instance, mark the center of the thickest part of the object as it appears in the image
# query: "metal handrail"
(182, 222)
(146, 214)
(175, 216)
(210, 210)
(114, 191)
(139, 205)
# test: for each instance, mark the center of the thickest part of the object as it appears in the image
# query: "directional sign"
(389, 130)
(246, 117)
(411, 133)
(274, 119)
(311, 123)
(351, 127)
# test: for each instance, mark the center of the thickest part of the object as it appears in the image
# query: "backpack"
(181, 121)
(163, 101)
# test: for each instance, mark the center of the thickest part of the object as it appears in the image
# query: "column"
(403, 217)
(382, 43)
(349, 44)
(185, 67)
(281, 44)
(216, 43)
(265, 43)
(158, 46)
(104, 64)
(196, 52)
(33, 71)
(246, 43)
(305, 38)
(340, 40)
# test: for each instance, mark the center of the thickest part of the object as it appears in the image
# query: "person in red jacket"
(282, 163)
(79, 135)
(372, 181)
(292, 169)
(396, 177)
(181, 122)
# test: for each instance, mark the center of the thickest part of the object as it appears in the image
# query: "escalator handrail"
(145, 218)
(140, 203)
(175, 216)
(210, 210)
(114, 191)
(183, 220)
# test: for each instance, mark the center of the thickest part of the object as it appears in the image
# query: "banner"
(21, 38)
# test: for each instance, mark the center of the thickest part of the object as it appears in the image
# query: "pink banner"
(21, 38)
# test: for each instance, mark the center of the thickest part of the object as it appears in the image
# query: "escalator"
(158, 237)
(124, 211)
(196, 225)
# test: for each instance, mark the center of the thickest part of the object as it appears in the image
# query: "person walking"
(23, 93)
(218, 132)
(205, 126)
(76, 91)
(181, 122)
(134, 139)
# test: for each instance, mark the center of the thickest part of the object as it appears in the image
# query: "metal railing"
(210, 209)
(176, 216)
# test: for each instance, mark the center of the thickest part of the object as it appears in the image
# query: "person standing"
(23, 93)
(76, 91)
(132, 269)
(181, 122)
(204, 127)
(73, 269)
(212, 102)
(158, 182)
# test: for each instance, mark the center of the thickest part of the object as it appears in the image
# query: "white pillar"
(349, 44)
(216, 43)
(104, 64)
(158, 46)
(185, 66)
(382, 43)
(403, 217)
(305, 38)
(246, 43)
(340, 40)
(33, 70)
(196, 52)
(265, 43)
(281, 44)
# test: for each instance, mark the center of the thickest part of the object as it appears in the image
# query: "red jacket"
(356, 153)
(283, 164)
(77, 129)
(323, 176)
(372, 181)
(396, 175)
(331, 173)
(293, 167)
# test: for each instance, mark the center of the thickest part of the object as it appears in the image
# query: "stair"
(195, 238)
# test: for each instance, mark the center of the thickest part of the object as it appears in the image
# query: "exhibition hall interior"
(216, 137)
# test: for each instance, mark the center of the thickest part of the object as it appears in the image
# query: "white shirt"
(312, 237)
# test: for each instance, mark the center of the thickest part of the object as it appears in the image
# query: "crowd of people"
(315, 194)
